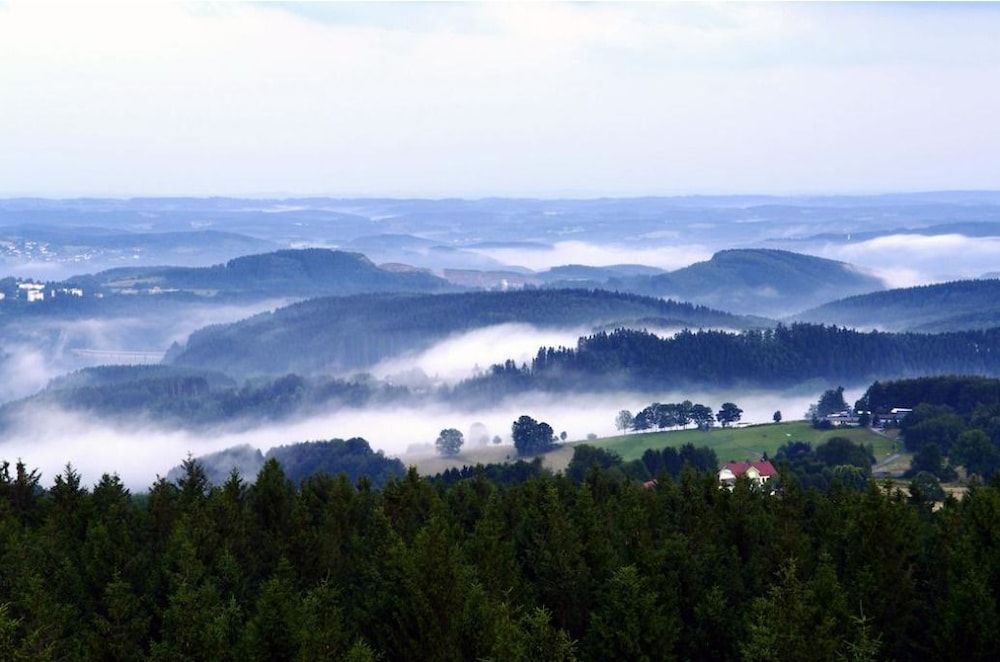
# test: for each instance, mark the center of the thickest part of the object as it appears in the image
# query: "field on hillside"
(742, 443)
(729, 444)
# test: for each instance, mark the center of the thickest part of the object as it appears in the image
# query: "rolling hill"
(954, 306)
(758, 281)
(344, 333)
(302, 272)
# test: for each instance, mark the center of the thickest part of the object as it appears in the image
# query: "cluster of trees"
(677, 415)
(353, 458)
(836, 460)
(532, 437)
(535, 567)
(668, 461)
(955, 422)
(782, 356)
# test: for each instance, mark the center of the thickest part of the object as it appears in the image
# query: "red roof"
(764, 467)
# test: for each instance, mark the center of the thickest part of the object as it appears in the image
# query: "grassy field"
(742, 443)
(729, 444)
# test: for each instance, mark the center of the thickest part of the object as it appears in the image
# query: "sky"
(472, 100)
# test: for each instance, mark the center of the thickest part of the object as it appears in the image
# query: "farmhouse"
(758, 472)
(846, 418)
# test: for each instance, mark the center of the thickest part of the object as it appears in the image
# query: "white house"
(758, 472)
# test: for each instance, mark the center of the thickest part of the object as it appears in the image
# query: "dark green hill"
(341, 333)
(954, 306)
(758, 281)
(310, 271)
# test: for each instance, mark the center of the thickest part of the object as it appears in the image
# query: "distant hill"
(344, 333)
(311, 271)
(759, 281)
(968, 229)
(569, 272)
(70, 247)
(954, 306)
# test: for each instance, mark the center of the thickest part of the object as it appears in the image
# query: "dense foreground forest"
(537, 568)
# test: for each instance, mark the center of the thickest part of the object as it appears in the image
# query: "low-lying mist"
(139, 451)
(905, 260)
(36, 350)
(667, 257)
(463, 355)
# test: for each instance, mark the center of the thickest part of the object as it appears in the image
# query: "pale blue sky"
(497, 99)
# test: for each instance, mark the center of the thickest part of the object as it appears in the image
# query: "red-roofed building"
(758, 472)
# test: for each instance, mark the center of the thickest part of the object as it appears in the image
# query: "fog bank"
(139, 452)
(905, 260)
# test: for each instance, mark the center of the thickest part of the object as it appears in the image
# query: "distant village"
(30, 291)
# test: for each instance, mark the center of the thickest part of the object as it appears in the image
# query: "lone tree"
(449, 442)
(623, 421)
(777, 416)
(497, 440)
(702, 416)
(831, 402)
(729, 414)
(531, 437)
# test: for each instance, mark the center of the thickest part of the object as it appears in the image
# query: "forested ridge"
(759, 280)
(952, 306)
(541, 568)
(358, 331)
(776, 357)
(194, 399)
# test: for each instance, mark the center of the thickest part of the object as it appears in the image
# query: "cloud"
(579, 252)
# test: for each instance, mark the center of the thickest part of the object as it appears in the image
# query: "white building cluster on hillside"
(34, 292)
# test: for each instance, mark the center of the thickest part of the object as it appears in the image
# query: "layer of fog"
(35, 350)
(138, 452)
(600, 255)
(905, 260)
(463, 355)
(467, 354)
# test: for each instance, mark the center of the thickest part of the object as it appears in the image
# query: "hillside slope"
(954, 306)
(758, 281)
(342, 333)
